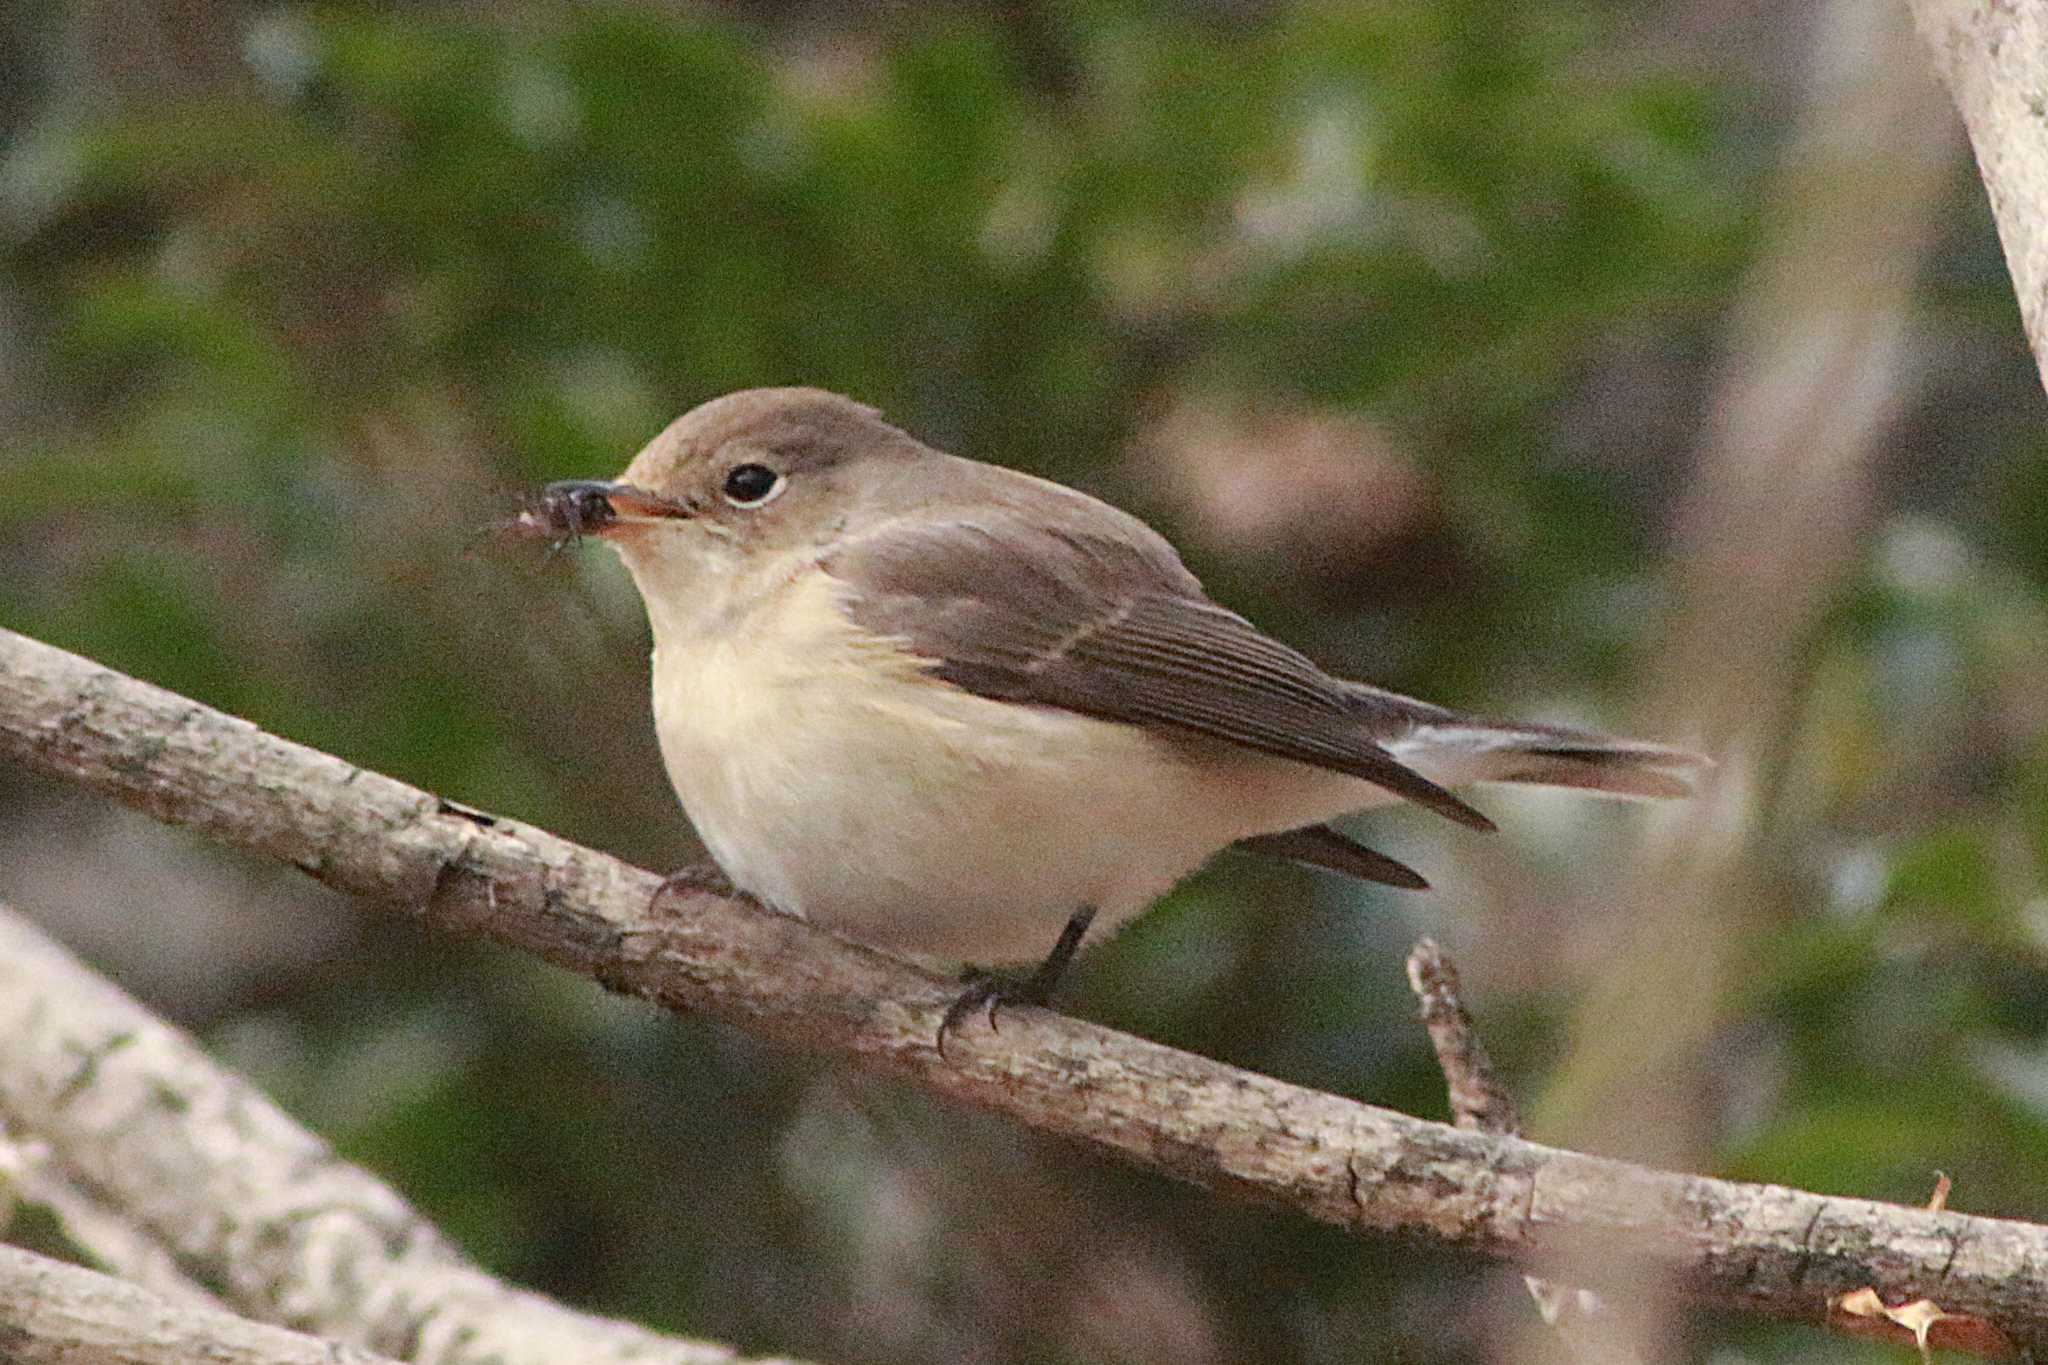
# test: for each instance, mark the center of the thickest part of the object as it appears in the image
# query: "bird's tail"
(1456, 751)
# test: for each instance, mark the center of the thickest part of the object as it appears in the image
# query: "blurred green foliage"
(294, 335)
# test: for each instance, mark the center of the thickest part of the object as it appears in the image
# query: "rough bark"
(1752, 1247)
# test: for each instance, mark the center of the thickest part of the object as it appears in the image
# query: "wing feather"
(1321, 846)
(1108, 623)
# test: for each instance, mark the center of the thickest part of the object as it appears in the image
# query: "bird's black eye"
(750, 485)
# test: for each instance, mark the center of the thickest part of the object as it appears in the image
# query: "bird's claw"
(988, 992)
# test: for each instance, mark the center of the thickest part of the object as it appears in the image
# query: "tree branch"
(1754, 1247)
(55, 1313)
(1478, 1099)
(1481, 1101)
(109, 1238)
(1993, 55)
(243, 1199)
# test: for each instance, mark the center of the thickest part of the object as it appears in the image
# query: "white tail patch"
(1455, 754)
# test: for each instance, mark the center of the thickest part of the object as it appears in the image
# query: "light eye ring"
(744, 489)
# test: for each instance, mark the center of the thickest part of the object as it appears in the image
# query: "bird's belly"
(911, 821)
(832, 778)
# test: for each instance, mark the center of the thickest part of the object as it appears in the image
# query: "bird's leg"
(992, 990)
(704, 879)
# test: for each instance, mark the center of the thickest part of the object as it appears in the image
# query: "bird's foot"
(990, 991)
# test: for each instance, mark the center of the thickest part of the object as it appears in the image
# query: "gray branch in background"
(56, 1313)
(1993, 54)
(109, 1238)
(202, 1165)
(1758, 1248)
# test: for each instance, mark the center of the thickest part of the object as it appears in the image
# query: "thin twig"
(1479, 1101)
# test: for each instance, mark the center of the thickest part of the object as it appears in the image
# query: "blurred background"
(1646, 365)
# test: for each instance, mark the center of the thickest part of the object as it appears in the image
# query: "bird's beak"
(582, 507)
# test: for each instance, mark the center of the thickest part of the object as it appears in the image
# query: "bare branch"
(1994, 56)
(246, 1200)
(108, 1237)
(1757, 1247)
(1479, 1100)
(61, 1314)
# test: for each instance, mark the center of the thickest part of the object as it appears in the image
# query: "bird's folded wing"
(1108, 624)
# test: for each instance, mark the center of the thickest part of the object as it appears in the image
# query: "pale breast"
(831, 776)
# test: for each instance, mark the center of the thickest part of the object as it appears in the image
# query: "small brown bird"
(947, 707)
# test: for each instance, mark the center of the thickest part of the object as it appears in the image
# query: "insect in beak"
(565, 512)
